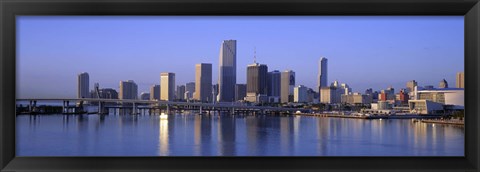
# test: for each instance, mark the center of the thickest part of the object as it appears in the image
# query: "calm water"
(238, 135)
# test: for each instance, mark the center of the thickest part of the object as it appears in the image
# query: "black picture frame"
(10, 8)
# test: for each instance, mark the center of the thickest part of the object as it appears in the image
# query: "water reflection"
(227, 135)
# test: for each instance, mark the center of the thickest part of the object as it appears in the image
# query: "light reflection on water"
(227, 135)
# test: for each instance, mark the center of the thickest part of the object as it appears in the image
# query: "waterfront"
(232, 135)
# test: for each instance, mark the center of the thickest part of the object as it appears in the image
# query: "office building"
(256, 80)
(128, 90)
(108, 93)
(83, 86)
(240, 91)
(322, 73)
(144, 96)
(189, 90)
(287, 84)
(155, 92)
(443, 84)
(330, 95)
(273, 83)
(167, 84)
(460, 80)
(411, 85)
(356, 98)
(203, 82)
(227, 77)
(180, 93)
(300, 94)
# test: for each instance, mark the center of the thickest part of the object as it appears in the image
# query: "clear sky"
(362, 51)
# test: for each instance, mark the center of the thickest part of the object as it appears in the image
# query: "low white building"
(424, 106)
(446, 96)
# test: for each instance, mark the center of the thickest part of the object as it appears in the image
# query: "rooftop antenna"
(254, 54)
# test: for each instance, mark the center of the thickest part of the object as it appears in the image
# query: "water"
(227, 135)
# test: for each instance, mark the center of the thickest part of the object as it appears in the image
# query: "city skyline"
(442, 68)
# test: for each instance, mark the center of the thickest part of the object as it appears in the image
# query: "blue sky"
(362, 51)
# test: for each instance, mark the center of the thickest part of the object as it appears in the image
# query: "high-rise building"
(227, 77)
(167, 84)
(240, 91)
(180, 93)
(300, 94)
(83, 85)
(273, 83)
(108, 93)
(189, 90)
(155, 92)
(203, 82)
(443, 84)
(330, 95)
(322, 73)
(128, 90)
(287, 84)
(257, 79)
(411, 85)
(460, 80)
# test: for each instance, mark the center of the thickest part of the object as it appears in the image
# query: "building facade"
(180, 93)
(203, 82)
(287, 85)
(322, 73)
(144, 96)
(128, 90)
(273, 83)
(83, 88)
(167, 84)
(443, 84)
(155, 92)
(189, 90)
(227, 77)
(300, 94)
(460, 80)
(240, 91)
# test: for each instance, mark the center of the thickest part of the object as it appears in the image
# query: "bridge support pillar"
(134, 109)
(168, 109)
(63, 107)
(201, 110)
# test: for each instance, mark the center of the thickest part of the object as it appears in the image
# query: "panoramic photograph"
(240, 86)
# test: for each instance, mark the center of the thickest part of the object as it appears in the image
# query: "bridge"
(160, 105)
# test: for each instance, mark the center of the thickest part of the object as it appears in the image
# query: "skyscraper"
(322, 73)
(287, 84)
(167, 84)
(189, 90)
(257, 79)
(273, 83)
(128, 90)
(155, 92)
(180, 93)
(83, 85)
(443, 84)
(203, 82)
(227, 77)
(460, 80)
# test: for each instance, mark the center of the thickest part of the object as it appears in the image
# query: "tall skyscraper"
(443, 84)
(257, 79)
(273, 83)
(460, 80)
(287, 84)
(83, 85)
(322, 73)
(240, 91)
(189, 90)
(128, 90)
(203, 82)
(227, 76)
(167, 84)
(180, 93)
(155, 92)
